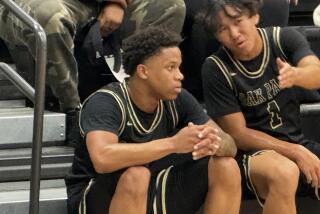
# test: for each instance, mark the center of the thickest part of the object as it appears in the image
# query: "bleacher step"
(14, 197)
(16, 125)
(22, 172)
(15, 164)
(22, 156)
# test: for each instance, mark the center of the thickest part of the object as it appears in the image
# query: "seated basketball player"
(149, 147)
(251, 89)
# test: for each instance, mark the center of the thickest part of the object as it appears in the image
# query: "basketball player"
(251, 89)
(149, 147)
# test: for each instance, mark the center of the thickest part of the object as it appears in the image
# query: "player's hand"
(110, 18)
(309, 164)
(209, 143)
(185, 140)
(287, 74)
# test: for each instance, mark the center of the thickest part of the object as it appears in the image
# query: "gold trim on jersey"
(135, 120)
(121, 106)
(224, 70)
(83, 205)
(163, 190)
(276, 40)
(163, 175)
(174, 113)
(265, 60)
(155, 197)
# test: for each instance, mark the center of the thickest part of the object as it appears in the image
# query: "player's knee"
(224, 171)
(135, 181)
(283, 178)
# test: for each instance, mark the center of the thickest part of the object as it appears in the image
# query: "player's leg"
(185, 188)
(274, 179)
(131, 193)
(120, 192)
(224, 186)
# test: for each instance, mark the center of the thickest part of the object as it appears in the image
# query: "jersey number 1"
(274, 110)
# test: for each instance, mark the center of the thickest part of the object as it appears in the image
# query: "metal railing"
(18, 81)
(37, 97)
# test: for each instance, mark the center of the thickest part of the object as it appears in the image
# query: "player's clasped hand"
(201, 140)
(208, 141)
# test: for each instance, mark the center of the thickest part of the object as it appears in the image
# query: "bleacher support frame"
(38, 99)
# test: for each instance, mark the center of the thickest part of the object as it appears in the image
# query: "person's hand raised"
(110, 18)
(287, 74)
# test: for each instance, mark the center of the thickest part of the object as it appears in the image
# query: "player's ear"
(256, 19)
(142, 71)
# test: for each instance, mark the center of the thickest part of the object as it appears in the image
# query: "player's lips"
(177, 89)
(240, 43)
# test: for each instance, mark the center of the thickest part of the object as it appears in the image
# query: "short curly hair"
(146, 43)
(208, 16)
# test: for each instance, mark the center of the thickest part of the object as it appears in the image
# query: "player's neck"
(141, 98)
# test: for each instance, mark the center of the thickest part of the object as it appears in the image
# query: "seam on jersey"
(121, 106)
(225, 72)
(264, 63)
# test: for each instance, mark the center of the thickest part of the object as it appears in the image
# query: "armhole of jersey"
(225, 72)
(174, 113)
(121, 106)
(277, 44)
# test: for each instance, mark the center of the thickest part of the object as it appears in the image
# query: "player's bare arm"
(109, 155)
(249, 139)
(306, 74)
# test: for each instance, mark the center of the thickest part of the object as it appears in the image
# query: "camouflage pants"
(61, 19)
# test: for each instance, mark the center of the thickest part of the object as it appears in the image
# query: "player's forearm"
(227, 146)
(251, 140)
(122, 155)
(309, 77)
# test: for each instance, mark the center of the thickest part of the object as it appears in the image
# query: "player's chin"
(172, 96)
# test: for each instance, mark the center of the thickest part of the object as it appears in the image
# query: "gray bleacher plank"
(14, 197)
(22, 156)
(48, 171)
(16, 125)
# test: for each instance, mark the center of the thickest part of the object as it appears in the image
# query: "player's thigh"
(269, 168)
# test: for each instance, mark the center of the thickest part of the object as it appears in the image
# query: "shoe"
(73, 136)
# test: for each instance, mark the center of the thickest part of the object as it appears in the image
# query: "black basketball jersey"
(255, 90)
(111, 109)
(134, 122)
